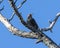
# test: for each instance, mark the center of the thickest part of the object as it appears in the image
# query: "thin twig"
(18, 8)
(2, 7)
(1, 1)
(15, 1)
(52, 23)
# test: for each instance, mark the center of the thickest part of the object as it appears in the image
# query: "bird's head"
(29, 15)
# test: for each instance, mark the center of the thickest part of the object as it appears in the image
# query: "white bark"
(46, 40)
(16, 31)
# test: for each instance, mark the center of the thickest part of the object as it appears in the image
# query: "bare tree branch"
(16, 31)
(15, 1)
(46, 40)
(22, 21)
(19, 16)
(21, 4)
(18, 8)
(1, 1)
(3, 6)
(51, 23)
(24, 34)
(43, 29)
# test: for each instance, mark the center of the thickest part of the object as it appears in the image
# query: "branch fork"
(32, 35)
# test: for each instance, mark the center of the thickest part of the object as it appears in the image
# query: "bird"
(31, 21)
